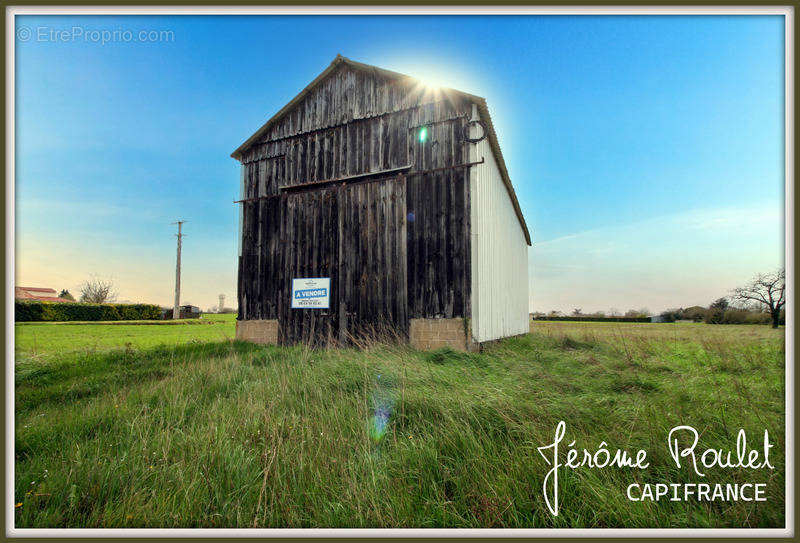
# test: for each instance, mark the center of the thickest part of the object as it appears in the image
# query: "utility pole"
(176, 310)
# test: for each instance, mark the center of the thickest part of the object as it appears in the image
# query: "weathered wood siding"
(438, 230)
(395, 246)
(372, 268)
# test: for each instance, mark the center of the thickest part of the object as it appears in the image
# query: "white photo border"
(786, 11)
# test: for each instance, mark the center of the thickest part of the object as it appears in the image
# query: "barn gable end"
(363, 178)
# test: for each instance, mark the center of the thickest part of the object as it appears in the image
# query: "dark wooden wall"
(396, 245)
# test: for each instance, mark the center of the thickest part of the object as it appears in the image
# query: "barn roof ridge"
(480, 102)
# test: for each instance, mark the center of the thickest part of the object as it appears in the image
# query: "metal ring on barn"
(483, 131)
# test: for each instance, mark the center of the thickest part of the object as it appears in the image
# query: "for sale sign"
(311, 293)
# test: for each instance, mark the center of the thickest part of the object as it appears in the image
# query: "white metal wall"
(499, 251)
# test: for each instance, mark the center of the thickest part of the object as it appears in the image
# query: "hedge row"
(595, 319)
(738, 316)
(55, 311)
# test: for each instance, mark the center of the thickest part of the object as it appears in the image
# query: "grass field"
(48, 339)
(177, 426)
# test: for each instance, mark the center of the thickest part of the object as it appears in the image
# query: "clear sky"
(647, 152)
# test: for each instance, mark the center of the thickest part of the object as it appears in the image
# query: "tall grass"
(230, 434)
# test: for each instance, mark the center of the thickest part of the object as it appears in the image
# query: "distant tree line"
(587, 318)
(578, 314)
(717, 313)
(760, 301)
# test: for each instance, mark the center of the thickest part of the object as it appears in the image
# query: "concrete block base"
(264, 332)
(428, 334)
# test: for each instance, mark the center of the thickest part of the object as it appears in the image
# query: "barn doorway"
(355, 234)
(309, 221)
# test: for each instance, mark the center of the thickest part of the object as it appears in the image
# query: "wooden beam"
(359, 178)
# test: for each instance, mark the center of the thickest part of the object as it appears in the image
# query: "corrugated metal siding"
(499, 252)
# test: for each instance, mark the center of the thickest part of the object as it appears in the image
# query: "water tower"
(221, 302)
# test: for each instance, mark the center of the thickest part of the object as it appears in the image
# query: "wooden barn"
(372, 203)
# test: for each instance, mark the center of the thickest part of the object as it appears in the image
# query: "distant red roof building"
(38, 294)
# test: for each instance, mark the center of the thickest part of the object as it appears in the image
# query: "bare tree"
(98, 291)
(766, 289)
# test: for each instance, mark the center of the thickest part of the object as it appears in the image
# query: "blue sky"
(647, 152)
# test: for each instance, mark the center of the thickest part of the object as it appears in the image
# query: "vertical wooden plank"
(343, 264)
(283, 264)
(332, 263)
(297, 251)
(452, 234)
(403, 255)
(387, 243)
(363, 230)
(374, 247)
(415, 272)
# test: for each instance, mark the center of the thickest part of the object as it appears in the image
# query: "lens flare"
(380, 422)
(423, 134)
(382, 404)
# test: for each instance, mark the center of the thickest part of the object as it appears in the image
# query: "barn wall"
(438, 222)
(395, 246)
(499, 252)
(344, 95)
(369, 130)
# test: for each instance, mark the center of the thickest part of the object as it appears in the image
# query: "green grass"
(228, 434)
(49, 339)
